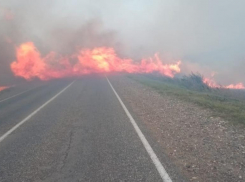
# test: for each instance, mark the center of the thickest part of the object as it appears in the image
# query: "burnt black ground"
(83, 135)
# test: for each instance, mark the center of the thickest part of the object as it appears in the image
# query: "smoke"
(208, 36)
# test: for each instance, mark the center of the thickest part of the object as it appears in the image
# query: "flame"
(29, 63)
(211, 83)
(237, 86)
(3, 88)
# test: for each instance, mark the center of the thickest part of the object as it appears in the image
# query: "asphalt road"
(83, 134)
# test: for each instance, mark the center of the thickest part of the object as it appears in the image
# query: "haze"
(208, 36)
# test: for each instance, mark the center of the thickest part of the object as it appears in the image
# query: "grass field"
(229, 104)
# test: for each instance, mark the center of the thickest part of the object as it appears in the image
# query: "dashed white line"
(32, 114)
(161, 170)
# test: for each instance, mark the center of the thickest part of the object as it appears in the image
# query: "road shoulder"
(204, 148)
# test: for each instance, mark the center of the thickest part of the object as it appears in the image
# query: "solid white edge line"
(32, 114)
(17, 94)
(161, 170)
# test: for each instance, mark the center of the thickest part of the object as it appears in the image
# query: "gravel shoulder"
(203, 147)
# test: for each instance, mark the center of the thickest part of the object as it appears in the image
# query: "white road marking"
(17, 95)
(32, 114)
(161, 170)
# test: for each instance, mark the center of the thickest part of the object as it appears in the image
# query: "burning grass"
(226, 103)
(30, 64)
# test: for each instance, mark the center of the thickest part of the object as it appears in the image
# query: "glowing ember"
(30, 64)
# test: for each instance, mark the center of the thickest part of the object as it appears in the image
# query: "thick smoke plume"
(60, 30)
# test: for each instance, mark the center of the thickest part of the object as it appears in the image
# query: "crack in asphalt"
(63, 162)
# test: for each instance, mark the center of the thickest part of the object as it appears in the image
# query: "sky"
(208, 36)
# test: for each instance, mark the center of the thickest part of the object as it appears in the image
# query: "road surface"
(73, 131)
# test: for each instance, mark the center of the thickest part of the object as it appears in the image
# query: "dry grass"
(229, 104)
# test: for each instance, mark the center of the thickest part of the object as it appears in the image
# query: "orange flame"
(3, 88)
(211, 83)
(30, 64)
(237, 86)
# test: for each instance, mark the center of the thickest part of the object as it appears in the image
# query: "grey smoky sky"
(207, 35)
